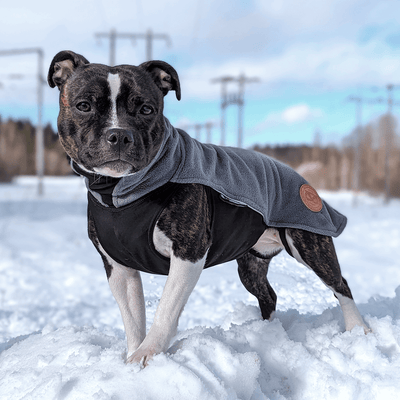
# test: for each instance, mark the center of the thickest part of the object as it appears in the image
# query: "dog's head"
(111, 118)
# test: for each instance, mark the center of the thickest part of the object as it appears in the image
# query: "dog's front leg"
(182, 279)
(126, 286)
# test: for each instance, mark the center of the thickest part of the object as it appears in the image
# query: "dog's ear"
(164, 76)
(63, 65)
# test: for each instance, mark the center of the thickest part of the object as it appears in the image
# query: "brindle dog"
(111, 125)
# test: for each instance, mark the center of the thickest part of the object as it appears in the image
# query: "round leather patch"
(310, 198)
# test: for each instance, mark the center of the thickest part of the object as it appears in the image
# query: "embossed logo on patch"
(310, 198)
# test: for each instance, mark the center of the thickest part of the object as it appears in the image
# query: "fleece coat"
(245, 177)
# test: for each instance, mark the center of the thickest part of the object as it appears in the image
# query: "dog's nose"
(121, 137)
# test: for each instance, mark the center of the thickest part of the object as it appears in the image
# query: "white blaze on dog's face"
(115, 84)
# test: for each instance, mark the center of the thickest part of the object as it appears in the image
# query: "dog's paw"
(140, 359)
(367, 329)
(363, 325)
(351, 324)
(142, 356)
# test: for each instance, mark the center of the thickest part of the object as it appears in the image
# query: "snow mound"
(291, 357)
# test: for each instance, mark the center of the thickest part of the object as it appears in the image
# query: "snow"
(61, 334)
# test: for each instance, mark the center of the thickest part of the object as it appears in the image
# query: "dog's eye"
(83, 106)
(146, 110)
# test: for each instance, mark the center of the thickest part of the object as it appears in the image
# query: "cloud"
(284, 42)
(333, 64)
(317, 20)
(300, 113)
(292, 115)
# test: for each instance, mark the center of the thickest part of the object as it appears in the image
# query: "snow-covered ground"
(61, 334)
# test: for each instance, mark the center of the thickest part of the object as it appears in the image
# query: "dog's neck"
(104, 185)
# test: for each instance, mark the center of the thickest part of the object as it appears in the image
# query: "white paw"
(143, 355)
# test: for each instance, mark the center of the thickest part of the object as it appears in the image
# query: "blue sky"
(310, 56)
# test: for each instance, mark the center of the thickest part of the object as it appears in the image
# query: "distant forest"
(325, 167)
(17, 151)
(333, 167)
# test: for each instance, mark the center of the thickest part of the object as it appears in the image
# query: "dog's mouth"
(116, 169)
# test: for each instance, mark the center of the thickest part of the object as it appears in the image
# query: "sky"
(309, 57)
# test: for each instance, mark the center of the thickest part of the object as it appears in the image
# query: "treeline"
(325, 167)
(334, 168)
(17, 151)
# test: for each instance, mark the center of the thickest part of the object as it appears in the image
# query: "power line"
(149, 36)
(233, 98)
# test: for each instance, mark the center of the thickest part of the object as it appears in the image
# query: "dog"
(148, 210)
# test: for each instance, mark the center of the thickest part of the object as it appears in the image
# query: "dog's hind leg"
(317, 252)
(253, 274)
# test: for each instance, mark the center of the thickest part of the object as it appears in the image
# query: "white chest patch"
(115, 84)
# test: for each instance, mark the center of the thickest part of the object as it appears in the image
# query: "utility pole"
(224, 82)
(209, 126)
(233, 98)
(357, 157)
(389, 134)
(356, 179)
(198, 127)
(149, 36)
(39, 128)
(359, 101)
